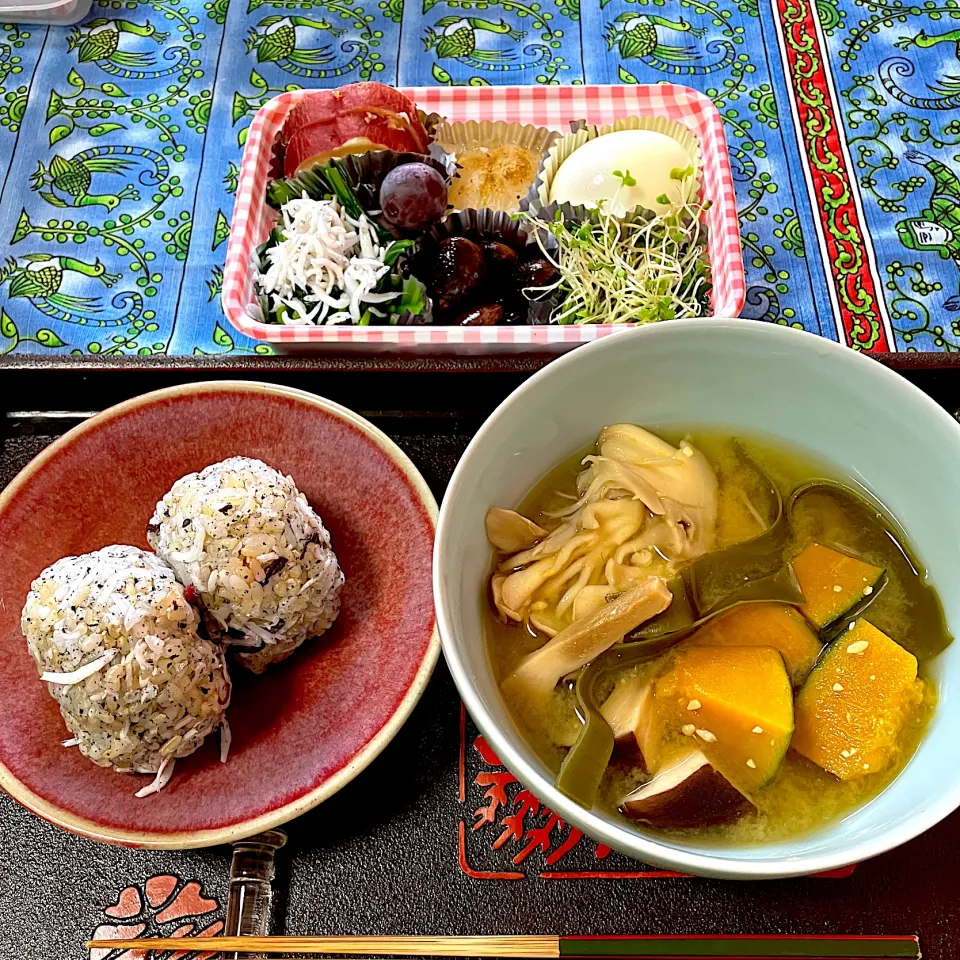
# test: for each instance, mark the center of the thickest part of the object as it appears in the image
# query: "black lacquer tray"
(435, 837)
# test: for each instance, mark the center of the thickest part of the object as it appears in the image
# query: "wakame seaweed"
(582, 768)
(715, 575)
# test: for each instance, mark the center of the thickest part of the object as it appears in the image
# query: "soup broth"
(803, 796)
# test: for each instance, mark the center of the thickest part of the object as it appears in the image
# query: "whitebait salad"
(325, 266)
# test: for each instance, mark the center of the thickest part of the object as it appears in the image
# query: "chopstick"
(551, 947)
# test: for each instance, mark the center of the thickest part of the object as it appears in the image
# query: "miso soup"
(744, 632)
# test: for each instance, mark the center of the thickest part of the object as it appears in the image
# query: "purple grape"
(413, 196)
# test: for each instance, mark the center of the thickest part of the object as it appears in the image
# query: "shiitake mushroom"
(458, 271)
(481, 282)
(485, 315)
(692, 793)
(535, 273)
(501, 258)
(513, 310)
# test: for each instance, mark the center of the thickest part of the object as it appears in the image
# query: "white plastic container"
(552, 107)
(55, 12)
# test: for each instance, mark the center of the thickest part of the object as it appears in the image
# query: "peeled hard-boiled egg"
(586, 176)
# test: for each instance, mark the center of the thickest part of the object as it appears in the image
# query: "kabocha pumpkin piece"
(830, 512)
(737, 704)
(852, 708)
(833, 583)
(690, 793)
(774, 625)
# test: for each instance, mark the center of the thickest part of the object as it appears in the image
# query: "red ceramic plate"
(310, 724)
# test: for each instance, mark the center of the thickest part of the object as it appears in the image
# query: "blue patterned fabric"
(120, 141)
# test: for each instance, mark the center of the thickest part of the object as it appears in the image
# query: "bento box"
(56, 12)
(552, 107)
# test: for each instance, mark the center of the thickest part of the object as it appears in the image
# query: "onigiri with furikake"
(256, 555)
(116, 641)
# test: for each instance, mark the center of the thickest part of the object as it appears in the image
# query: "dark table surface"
(434, 837)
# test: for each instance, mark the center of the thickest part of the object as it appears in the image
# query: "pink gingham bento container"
(542, 106)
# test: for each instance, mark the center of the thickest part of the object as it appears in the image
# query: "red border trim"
(480, 874)
(820, 130)
(463, 753)
(838, 874)
(614, 875)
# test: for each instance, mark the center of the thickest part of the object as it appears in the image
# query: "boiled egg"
(587, 175)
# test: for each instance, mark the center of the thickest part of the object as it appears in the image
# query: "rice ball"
(116, 641)
(256, 554)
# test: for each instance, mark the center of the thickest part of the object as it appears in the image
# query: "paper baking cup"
(488, 224)
(457, 138)
(470, 134)
(559, 151)
(578, 213)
